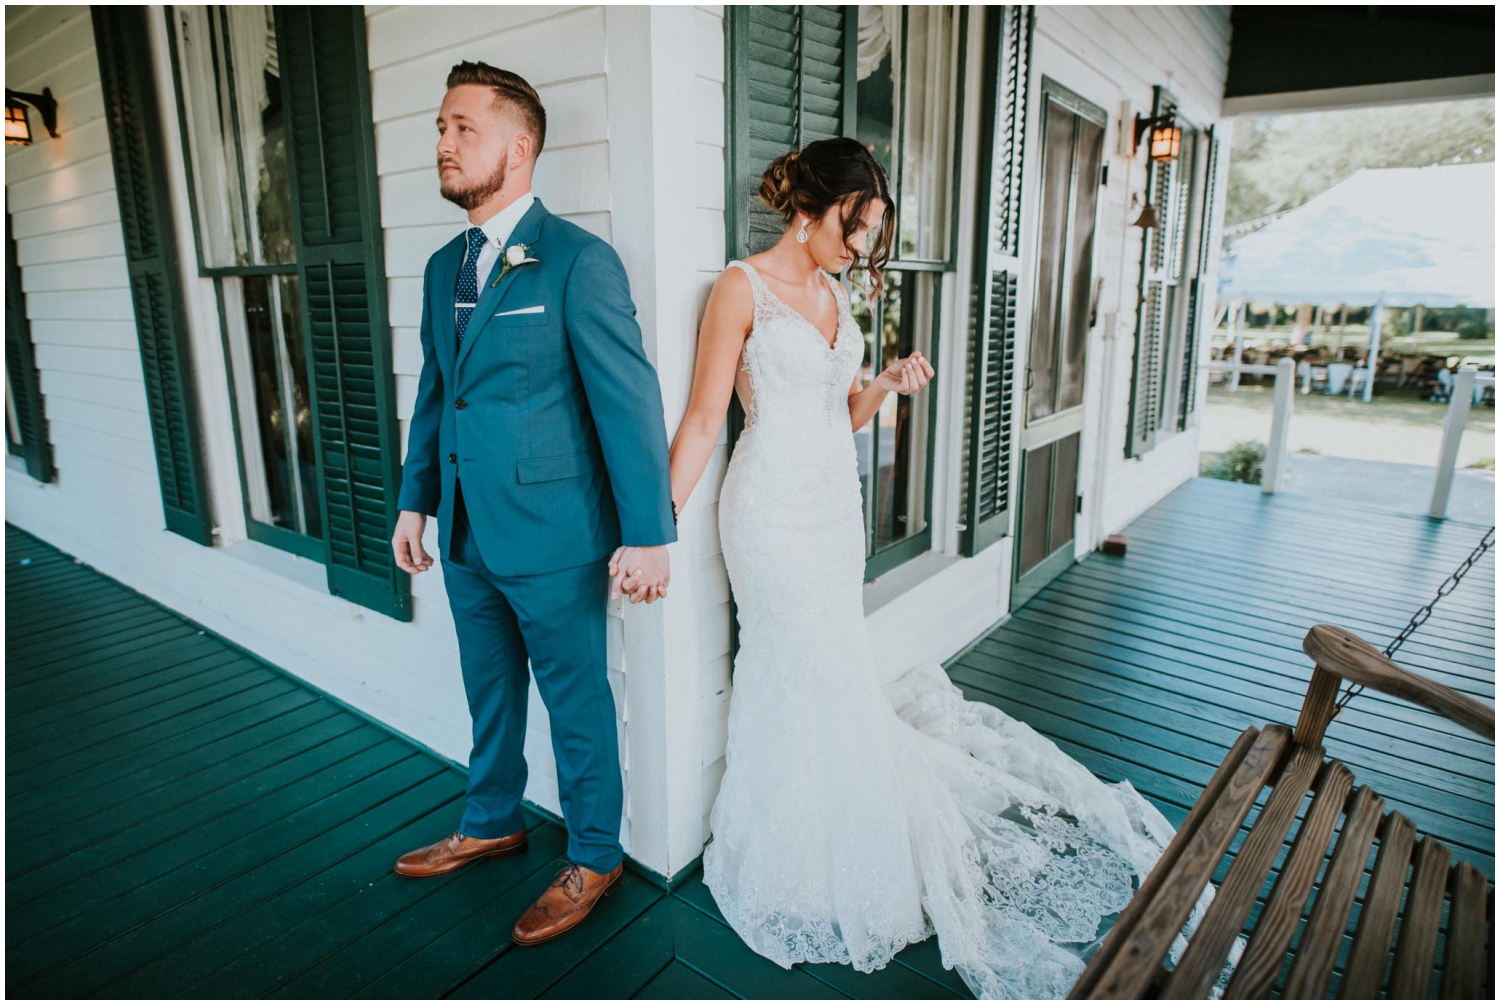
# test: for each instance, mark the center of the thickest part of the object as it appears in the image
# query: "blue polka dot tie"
(467, 293)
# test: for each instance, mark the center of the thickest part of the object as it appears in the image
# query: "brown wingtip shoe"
(565, 903)
(456, 851)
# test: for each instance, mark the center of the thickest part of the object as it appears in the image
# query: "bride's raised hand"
(906, 376)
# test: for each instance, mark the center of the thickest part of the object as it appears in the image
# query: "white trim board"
(1480, 85)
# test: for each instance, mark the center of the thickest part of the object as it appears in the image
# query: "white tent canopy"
(1392, 236)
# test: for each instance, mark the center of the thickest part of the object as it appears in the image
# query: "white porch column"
(666, 217)
(1453, 434)
(1281, 422)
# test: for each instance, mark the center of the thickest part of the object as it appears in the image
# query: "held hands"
(641, 572)
(407, 543)
(905, 376)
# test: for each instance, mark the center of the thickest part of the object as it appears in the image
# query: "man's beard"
(473, 194)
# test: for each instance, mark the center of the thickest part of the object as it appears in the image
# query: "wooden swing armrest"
(1350, 657)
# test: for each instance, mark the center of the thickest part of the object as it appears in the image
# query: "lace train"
(854, 819)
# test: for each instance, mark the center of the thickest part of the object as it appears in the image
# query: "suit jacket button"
(460, 403)
(452, 458)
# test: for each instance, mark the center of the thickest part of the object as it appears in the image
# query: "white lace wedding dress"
(853, 819)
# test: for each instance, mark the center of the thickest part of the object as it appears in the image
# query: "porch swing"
(1290, 761)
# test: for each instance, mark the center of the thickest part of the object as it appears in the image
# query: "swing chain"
(1424, 612)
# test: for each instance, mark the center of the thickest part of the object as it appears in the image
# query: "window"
(907, 106)
(235, 121)
(25, 418)
(274, 110)
(1173, 263)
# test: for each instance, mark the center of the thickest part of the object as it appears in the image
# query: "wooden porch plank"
(168, 968)
(1472, 796)
(112, 833)
(251, 716)
(76, 680)
(1277, 678)
(1460, 660)
(1140, 581)
(62, 747)
(62, 706)
(132, 711)
(154, 880)
(1222, 683)
(679, 982)
(900, 980)
(314, 860)
(176, 734)
(494, 968)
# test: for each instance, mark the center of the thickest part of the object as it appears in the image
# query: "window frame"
(304, 545)
(880, 561)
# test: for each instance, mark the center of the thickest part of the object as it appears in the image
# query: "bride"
(853, 820)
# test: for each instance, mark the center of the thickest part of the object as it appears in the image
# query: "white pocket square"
(539, 309)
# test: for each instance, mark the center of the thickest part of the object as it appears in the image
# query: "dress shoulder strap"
(840, 295)
(759, 291)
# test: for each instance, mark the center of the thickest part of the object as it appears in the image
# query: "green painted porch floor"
(183, 819)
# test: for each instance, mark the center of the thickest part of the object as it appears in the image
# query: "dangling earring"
(802, 233)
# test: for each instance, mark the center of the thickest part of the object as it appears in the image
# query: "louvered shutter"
(1161, 265)
(995, 320)
(1200, 294)
(20, 371)
(341, 270)
(790, 82)
(133, 121)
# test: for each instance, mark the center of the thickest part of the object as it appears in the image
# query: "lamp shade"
(17, 126)
(1166, 141)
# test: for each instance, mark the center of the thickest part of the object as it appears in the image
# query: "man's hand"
(641, 572)
(407, 542)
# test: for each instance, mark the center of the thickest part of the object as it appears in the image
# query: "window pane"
(275, 415)
(1057, 166)
(231, 95)
(931, 55)
(875, 97)
(892, 448)
(12, 423)
(1080, 266)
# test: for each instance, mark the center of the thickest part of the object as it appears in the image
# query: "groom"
(537, 440)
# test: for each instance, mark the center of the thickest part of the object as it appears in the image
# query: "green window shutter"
(997, 265)
(1198, 293)
(1160, 265)
(20, 370)
(341, 270)
(133, 120)
(790, 82)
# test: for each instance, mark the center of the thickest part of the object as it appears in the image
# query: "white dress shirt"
(497, 231)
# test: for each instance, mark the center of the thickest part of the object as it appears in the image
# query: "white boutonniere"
(516, 254)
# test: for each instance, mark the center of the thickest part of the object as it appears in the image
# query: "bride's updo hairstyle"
(825, 173)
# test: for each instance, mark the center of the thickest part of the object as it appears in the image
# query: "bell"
(1148, 219)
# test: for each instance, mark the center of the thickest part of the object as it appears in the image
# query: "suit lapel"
(491, 293)
(445, 286)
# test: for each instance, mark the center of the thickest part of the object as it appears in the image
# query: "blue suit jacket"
(551, 420)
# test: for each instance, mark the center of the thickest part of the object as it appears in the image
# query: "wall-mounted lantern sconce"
(18, 125)
(1166, 136)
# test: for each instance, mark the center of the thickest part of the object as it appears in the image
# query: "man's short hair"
(510, 88)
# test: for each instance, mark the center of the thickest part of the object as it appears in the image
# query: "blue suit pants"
(557, 619)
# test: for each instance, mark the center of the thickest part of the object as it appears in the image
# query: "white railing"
(1285, 372)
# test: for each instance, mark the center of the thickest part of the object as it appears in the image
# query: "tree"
(1280, 162)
